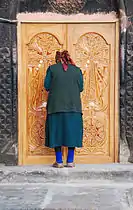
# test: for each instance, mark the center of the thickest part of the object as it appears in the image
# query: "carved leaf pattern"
(92, 54)
(41, 54)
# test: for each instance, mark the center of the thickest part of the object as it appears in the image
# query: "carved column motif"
(93, 56)
(41, 54)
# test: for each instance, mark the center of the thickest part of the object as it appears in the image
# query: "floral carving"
(93, 56)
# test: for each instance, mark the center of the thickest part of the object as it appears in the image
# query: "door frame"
(24, 18)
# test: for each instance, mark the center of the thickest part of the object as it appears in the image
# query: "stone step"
(43, 196)
(79, 174)
(86, 187)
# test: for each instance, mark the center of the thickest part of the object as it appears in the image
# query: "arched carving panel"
(41, 53)
(92, 54)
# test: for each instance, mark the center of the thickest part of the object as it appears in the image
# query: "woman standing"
(64, 124)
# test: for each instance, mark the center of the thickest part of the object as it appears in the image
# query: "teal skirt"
(64, 129)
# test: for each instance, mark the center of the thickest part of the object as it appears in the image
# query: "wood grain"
(95, 49)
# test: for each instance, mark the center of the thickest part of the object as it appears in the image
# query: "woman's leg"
(70, 156)
(58, 153)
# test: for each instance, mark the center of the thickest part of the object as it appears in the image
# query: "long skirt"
(64, 129)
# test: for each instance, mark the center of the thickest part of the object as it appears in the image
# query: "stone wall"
(8, 84)
(8, 66)
(126, 81)
(129, 92)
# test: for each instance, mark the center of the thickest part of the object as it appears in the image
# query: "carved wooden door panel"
(94, 49)
(39, 42)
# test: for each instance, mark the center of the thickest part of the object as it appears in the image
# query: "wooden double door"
(94, 48)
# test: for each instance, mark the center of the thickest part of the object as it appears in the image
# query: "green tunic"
(64, 89)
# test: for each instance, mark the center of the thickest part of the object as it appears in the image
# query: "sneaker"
(70, 165)
(58, 165)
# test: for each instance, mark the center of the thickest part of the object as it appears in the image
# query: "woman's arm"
(47, 84)
(47, 81)
(81, 82)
